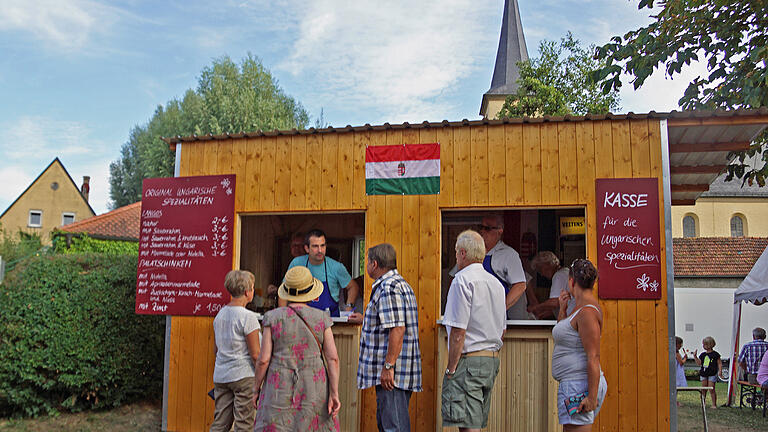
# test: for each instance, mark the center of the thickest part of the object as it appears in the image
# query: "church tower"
(512, 49)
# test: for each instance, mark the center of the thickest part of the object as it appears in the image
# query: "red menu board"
(628, 239)
(185, 248)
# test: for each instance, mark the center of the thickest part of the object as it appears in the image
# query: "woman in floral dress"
(293, 390)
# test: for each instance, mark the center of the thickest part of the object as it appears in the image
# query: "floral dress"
(294, 395)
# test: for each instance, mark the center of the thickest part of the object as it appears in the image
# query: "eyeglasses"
(488, 228)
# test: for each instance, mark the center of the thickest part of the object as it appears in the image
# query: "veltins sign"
(185, 248)
(628, 238)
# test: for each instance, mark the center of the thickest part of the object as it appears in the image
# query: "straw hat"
(300, 286)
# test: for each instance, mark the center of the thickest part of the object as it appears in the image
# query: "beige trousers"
(234, 404)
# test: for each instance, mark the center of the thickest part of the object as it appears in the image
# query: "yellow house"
(726, 210)
(51, 200)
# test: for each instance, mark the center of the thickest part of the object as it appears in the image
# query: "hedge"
(69, 338)
(83, 243)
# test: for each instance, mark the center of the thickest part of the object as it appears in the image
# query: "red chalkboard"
(185, 248)
(628, 238)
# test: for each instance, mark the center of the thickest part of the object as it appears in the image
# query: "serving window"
(266, 246)
(527, 231)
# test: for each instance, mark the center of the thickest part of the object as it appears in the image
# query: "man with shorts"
(475, 315)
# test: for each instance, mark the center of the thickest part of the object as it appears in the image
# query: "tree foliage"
(229, 97)
(559, 82)
(730, 36)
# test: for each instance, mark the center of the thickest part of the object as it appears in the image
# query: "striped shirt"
(393, 304)
(752, 353)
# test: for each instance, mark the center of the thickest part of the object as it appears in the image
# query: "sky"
(77, 75)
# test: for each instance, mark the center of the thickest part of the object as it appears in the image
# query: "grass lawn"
(141, 416)
(722, 419)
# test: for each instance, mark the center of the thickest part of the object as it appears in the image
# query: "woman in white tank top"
(576, 354)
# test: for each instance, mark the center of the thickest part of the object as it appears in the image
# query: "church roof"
(512, 49)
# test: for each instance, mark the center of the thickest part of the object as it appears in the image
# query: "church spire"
(511, 50)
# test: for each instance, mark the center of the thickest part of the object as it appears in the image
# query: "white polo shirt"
(476, 303)
(505, 262)
(560, 283)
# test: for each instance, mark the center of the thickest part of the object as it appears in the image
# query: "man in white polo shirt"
(475, 315)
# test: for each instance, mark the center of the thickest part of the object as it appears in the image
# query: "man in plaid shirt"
(389, 341)
(752, 353)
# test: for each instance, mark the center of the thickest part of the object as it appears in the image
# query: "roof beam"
(689, 187)
(682, 202)
(699, 169)
(718, 121)
(708, 147)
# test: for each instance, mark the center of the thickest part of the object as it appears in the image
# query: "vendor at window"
(331, 273)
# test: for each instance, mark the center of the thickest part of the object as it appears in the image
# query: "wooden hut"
(286, 178)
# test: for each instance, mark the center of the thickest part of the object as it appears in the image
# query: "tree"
(229, 98)
(558, 82)
(731, 36)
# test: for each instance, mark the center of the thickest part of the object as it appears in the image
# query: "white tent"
(754, 289)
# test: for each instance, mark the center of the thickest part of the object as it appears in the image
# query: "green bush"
(82, 243)
(69, 338)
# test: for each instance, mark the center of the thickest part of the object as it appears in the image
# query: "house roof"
(120, 224)
(512, 49)
(56, 160)
(699, 141)
(716, 256)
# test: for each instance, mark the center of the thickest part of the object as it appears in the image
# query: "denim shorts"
(466, 398)
(569, 388)
(712, 378)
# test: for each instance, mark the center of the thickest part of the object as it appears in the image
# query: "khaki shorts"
(466, 395)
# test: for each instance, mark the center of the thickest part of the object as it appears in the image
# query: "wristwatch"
(388, 366)
(349, 306)
(449, 373)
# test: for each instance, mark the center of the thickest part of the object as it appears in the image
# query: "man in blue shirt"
(330, 272)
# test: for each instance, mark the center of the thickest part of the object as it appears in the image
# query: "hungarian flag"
(411, 169)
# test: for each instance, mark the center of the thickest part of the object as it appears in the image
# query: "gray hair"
(758, 333)
(384, 255)
(545, 257)
(473, 244)
(238, 282)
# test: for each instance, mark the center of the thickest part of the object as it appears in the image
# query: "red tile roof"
(716, 256)
(122, 223)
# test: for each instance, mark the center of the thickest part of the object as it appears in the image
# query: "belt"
(484, 353)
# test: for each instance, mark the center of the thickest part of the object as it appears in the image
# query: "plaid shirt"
(393, 304)
(752, 354)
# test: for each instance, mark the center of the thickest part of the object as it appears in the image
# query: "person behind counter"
(297, 391)
(333, 275)
(390, 358)
(475, 318)
(503, 262)
(236, 338)
(576, 354)
(548, 265)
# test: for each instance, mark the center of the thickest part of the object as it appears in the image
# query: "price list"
(185, 246)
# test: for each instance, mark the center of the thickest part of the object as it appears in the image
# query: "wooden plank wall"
(535, 164)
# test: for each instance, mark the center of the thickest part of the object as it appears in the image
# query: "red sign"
(628, 239)
(185, 249)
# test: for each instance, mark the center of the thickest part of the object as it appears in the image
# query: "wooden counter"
(524, 396)
(347, 338)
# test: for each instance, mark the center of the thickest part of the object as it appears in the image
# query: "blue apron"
(325, 301)
(489, 269)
